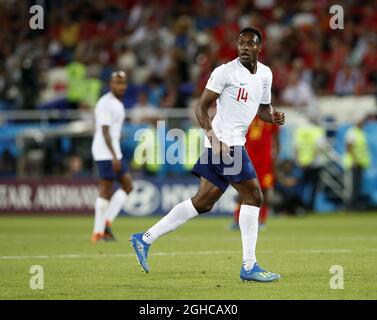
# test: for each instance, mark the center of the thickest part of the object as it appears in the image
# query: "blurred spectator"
(147, 36)
(299, 94)
(356, 160)
(320, 76)
(159, 63)
(156, 90)
(8, 164)
(127, 60)
(369, 64)
(29, 83)
(143, 111)
(76, 72)
(171, 97)
(287, 189)
(348, 81)
(309, 140)
(75, 167)
(3, 83)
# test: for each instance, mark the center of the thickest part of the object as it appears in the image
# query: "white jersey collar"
(242, 66)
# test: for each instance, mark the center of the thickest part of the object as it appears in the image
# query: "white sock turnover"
(249, 232)
(177, 216)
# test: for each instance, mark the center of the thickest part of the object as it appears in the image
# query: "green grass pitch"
(201, 260)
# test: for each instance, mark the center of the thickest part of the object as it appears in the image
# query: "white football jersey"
(110, 112)
(241, 93)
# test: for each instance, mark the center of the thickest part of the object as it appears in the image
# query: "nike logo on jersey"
(242, 84)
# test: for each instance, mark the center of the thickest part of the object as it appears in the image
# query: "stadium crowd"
(169, 48)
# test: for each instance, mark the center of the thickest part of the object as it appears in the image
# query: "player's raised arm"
(267, 113)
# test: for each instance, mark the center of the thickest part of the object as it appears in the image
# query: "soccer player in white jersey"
(241, 89)
(106, 151)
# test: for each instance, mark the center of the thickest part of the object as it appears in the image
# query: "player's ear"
(260, 46)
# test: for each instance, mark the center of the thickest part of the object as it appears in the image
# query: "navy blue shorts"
(221, 171)
(105, 170)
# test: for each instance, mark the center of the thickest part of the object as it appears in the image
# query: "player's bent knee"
(255, 199)
(258, 199)
(105, 194)
(202, 206)
(206, 208)
(128, 189)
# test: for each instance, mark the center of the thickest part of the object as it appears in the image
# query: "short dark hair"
(254, 30)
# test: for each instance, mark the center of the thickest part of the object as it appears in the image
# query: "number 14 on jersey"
(242, 94)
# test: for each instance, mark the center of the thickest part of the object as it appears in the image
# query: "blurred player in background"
(109, 117)
(241, 89)
(262, 143)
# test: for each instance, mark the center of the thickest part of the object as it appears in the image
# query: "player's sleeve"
(266, 97)
(103, 115)
(218, 80)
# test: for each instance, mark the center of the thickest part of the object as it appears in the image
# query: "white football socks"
(117, 202)
(177, 216)
(99, 216)
(249, 232)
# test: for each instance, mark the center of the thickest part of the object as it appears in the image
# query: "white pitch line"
(114, 255)
(123, 255)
